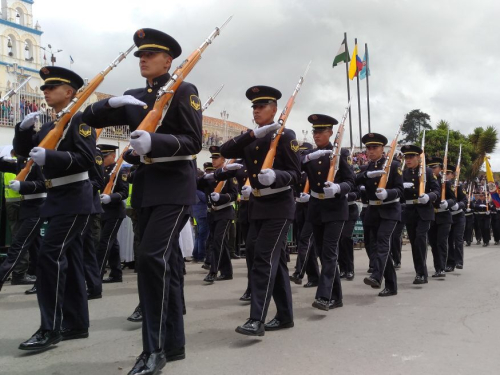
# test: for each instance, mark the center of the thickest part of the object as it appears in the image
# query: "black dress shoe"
(372, 282)
(22, 281)
(94, 296)
(342, 275)
(31, 291)
(310, 284)
(397, 266)
(333, 304)
(467, 244)
(110, 279)
(205, 266)
(246, 297)
(276, 324)
(460, 266)
(224, 277)
(439, 274)
(478, 243)
(420, 280)
(72, 334)
(296, 279)
(149, 364)
(449, 269)
(322, 304)
(41, 340)
(496, 243)
(387, 293)
(234, 256)
(175, 354)
(349, 276)
(486, 244)
(136, 316)
(252, 328)
(210, 278)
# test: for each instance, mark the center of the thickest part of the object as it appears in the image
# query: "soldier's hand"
(408, 185)
(140, 140)
(263, 130)
(304, 198)
(487, 212)
(316, 155)
(443, 205)
(209, 176)
(454, 207)
(423, 199)
(233, 167)
(362, 188)
(246, 190)
(381, 194)
(215, 196)
(38, 155)
(105, 199)
(267, 177)
(120, 101)
(29, 120)
(15, 185)
(374, 174)
(331, 189)
(468, 210)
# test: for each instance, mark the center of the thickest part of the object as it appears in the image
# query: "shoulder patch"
(294, 145)
(435, 177)
(124, 177)
(84, 130)
(235, 181)
(400, 171)
(195, 102)
(98, 160)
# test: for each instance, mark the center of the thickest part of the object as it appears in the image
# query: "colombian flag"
(356, 64)
(495, 196)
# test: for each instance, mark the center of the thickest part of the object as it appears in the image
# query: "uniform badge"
(98, 160)
(124, 177)
(235, 181)
(85, 130)
(463, 191)
(141, 34)
(371, 135)
(45, 71)
(349, 160)
(255, 89)
(435, 177)
(314, 117)
(452, 187)
(400, 171)
(195, 102)
(294, 145)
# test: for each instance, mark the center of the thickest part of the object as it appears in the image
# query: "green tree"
(483, 141)
(413, 125)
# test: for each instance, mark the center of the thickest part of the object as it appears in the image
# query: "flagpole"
(368, 85)
(359, 100)
(348, 89)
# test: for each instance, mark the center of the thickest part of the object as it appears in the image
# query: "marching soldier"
(419, 212)
(366, 228)
(164, 190)
(469, 224)
(271, 210)
(495, 219)
(60, 284)
(383, 212)
(209, 170)
(456, 237)
(477, 221)
(482, 210)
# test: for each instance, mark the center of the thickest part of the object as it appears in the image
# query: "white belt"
(15, 199)
(414, 201)
(351, 203)
(365, 205)
(66, 180)
(320, 195)
(469, 213)
(166, 159)
(244, 198)
(440, 209)
(378, 203)
(268, 191)
(480, 213)
(217, 208)
(456, 212)
(34, 196)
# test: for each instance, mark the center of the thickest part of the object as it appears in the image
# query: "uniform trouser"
(200, 241)
(12, 210)
(417, 234)
(132, 214)
(327, 237)
(231, 238)
(477, 227)
(159, 276)
(456, 242)
(221, 259)
(397, 243)
(60, 276)
(380, 243)
(495, 226)
(25, 238)
(469, 226)
(33, 254)
(438, 239)
(484, 223)
(266, 243)
(109, 248)
(90, 264)
(346, 252)
(366, 240)
(307, 259)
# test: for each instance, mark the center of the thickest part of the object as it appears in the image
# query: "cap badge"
(45, 71)
(255, 89)
(141, 34)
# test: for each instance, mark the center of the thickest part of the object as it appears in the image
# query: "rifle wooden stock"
(221, 184)
(306, 187)
(423, 172)
(112, 177)
(387, 168)
(335, 153)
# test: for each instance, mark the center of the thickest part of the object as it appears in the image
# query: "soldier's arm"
(347, 176)
(24, 140)
(461, 198)
(221, 175)
(290, 174)
(397, 190)
(231, 192)
(121, 189)
(432, 188)
(234, 148)
(100, 114)
(36, 184)
(130, 158)
(8, 166)
(450, 195)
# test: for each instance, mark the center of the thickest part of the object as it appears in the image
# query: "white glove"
(304, 198)
(140, 140)
(209, 176)
(423, 199)
(331, 189)
(263, 130)
(454, 207)
(215, 196)
(381, 194)
(487, 212)
(120, 101)
(38, 155)
(29, 120)
(375, 174)
(316, 155)
(233, 167)
(408, 185)
(105, 199)
(468, 210)
(362, 187)
(15, 185)
(443, 205)
(246, 190)
(267, 177)
(482, 205)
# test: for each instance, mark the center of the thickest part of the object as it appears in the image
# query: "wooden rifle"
(221, 184)
(422, 178)
(445, 167)
(469, 197)
(337, 144)
(52, 139)
(388, 160)
(306, 187)
(457, 172)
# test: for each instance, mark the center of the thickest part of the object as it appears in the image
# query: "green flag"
(342, 55)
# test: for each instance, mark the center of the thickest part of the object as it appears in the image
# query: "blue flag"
(71, 60)
(366, 68)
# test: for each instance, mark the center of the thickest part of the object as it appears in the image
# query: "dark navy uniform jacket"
(179, 134)
(241, 176)
(423, 211)
(96, 176)
(444, 217)
(286, 166)
(300, 207)
(333, 209)
(391, 211)
(229, 193)
(461, 198)
(116, 208)
(75, 154)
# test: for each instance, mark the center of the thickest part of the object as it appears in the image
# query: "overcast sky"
(436, 56)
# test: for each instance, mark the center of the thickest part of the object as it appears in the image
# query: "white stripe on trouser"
(270, 270)
(85, 226)
(160, 344)
(20, 252)
(107, 246)
(222, 244)
(336, 262)
(307, 253)
(59, 271)
(389, 253)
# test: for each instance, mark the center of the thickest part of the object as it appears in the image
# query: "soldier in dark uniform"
(495, 219)
(209, 170)
(419, 212)
(456, 236)
(271, 210)
(440, 227)
(383, 212)
(220, 215)
(60, 284)
(328, 208)
(469, 222)
(164, 189)
(482, 210)
(112, 217)
(477, 221)
(366, 228)
(397, 239)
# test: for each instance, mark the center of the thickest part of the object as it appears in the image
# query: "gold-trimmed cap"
(322, 121)
(263, 95)
(435, 161)
(411, 150)
(215, 151)
(151, 40)
(374, 139)
(106, 149)
(57, 76)
(208, 166)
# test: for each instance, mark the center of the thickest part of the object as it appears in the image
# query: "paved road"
(449, 326)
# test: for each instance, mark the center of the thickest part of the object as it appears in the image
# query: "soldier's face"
(109, 159)
(322, 137)
(436, 169)
(57, 95)
(263, 114)
(374, 152)
(411, 161)
(154, 64)
(218, 162)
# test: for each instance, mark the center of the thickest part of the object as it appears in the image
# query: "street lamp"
(224, 116)
(304, 133)
(52, 57)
